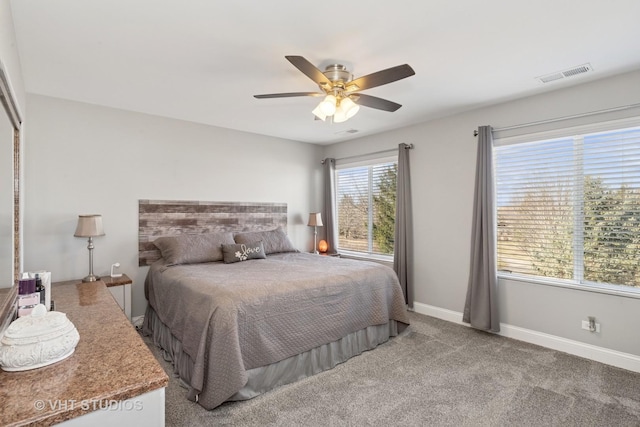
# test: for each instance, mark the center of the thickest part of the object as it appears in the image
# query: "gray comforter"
(234, 317)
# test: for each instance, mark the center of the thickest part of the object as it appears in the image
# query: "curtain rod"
(406, 147)
(558, 119)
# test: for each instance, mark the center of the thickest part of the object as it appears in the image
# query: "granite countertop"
(111, 362)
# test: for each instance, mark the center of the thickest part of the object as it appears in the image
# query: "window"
(569, 208)
(366, 205)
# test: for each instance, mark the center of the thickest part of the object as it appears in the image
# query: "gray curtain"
(481, 307)
(329, 213)
(403, 252)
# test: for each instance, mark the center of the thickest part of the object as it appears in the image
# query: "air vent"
(580, 69)
(577, 70)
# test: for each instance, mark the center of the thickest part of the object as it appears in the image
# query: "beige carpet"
(439, 374)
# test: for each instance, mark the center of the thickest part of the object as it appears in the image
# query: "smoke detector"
(580, 69)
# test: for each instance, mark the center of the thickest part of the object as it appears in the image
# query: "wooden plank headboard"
(157, 218)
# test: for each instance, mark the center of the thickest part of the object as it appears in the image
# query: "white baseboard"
(440, 313)
(619, 359)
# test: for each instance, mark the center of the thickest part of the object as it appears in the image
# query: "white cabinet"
(144, 410)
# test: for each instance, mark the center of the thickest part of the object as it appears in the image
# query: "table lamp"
(90, 226)
(315, 221)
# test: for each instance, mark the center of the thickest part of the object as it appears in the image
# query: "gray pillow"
(243, 252)
(193, 248)
(274, 241)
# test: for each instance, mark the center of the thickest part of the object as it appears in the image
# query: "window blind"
(366, 196)
(569, 208)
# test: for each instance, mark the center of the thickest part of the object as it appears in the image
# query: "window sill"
(366, 257)
(597, 288)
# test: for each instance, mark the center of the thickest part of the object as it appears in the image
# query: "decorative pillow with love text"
(243, 252)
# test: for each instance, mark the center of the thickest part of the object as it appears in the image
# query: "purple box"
(26, 286)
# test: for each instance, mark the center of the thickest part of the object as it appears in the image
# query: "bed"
(252, 313)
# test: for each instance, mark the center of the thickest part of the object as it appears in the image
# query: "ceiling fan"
(342, 97)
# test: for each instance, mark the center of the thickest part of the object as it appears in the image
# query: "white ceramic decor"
(37, 340)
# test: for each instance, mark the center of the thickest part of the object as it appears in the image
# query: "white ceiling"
(203, 60)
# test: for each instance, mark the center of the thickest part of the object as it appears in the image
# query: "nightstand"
(120, 288)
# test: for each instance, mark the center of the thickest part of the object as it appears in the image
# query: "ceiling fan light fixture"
(349, 107)
(319, 114)
(338, 86)
(340, 115)
(328, 105)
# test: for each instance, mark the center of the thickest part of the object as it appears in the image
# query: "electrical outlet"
(585, 326)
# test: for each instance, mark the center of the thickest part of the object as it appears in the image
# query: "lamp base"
(91, 278)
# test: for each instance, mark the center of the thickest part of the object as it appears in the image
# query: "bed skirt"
(286, 371)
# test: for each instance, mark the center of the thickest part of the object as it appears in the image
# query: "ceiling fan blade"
(381, 77)
(309, 70)
(288, 95)
(375, 102)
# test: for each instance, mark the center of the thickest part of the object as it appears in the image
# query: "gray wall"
(87, 159)
(442, 173)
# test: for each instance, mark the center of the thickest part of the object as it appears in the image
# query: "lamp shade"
(319, 114)
(328, 106)
(315, 219)
(349, 107)
(340, 116)
(89, 226)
